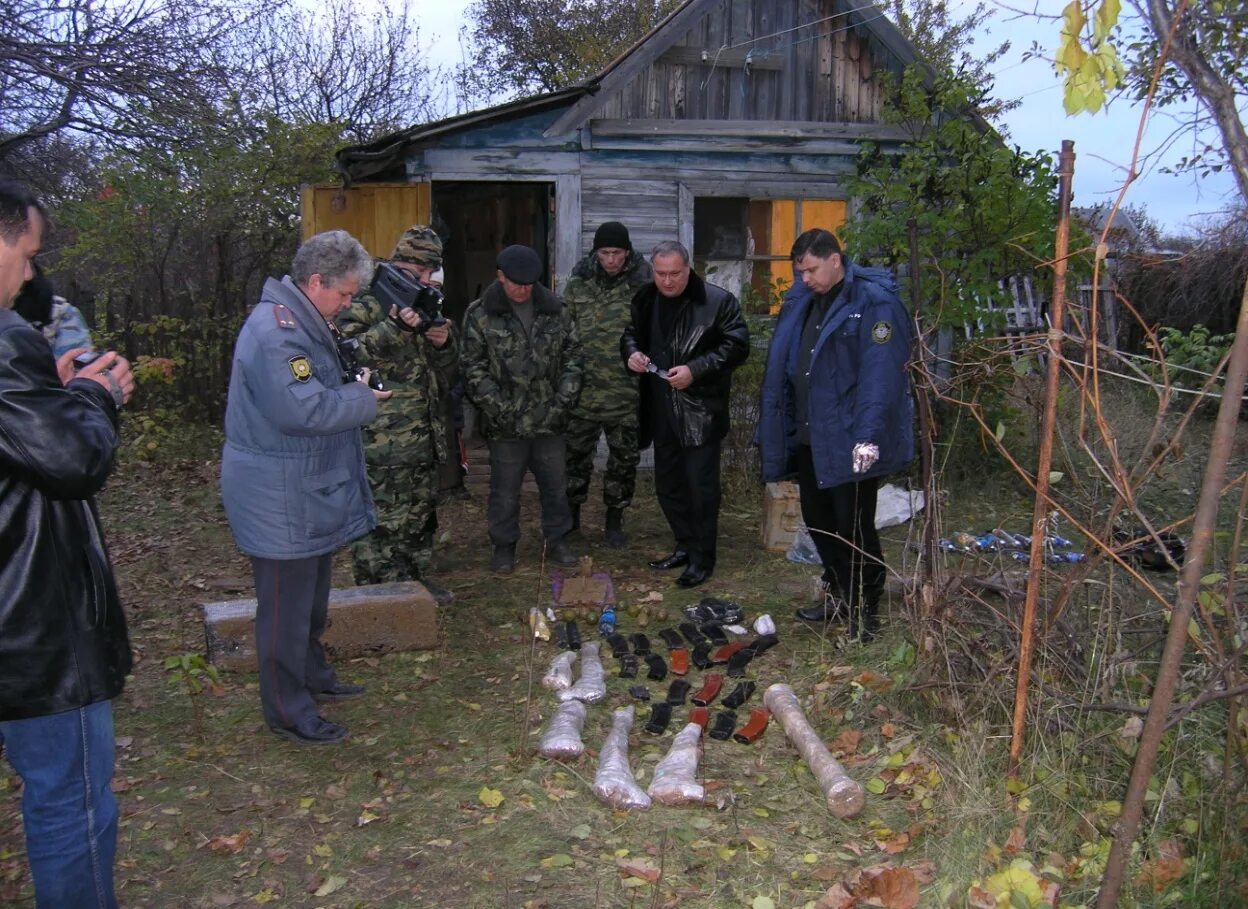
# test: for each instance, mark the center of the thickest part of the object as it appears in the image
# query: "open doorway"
(476, 220)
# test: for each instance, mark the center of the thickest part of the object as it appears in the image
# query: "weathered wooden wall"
(761, 60)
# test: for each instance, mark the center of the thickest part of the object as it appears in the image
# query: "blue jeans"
(66, 764)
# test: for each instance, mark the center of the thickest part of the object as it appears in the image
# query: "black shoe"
(614, 535)
(440, 594)
(693, 576)
(830, 610)
(342, 691)
(576, 520)
(678, 559)
(504, 561)
(560, 553)
(313, 731)
(865, 625)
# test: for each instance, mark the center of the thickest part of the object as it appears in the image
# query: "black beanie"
(613, 235)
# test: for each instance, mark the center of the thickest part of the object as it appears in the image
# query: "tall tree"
(95, 66)
(530, 46)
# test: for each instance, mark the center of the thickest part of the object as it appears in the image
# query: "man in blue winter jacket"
(837, 413)
(293, 481)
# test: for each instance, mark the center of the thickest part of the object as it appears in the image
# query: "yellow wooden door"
(376, 214)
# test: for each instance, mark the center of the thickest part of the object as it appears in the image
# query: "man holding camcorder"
(397, 330)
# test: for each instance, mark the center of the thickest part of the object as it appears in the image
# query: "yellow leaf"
(322, 850)
(306, 803)
(332, 884)
(490, 798)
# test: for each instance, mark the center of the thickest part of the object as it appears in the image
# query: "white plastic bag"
(591, 687)
(675, 777)
(614, 783)
(559, 675)
(562, 738)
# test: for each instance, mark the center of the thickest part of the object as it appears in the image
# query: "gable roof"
(664, 36)
(583, 100)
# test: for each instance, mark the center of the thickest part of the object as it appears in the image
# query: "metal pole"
(1040, 510)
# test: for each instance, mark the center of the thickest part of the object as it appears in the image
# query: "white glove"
(865, 454)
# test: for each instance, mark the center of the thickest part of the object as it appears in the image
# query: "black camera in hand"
(394, 287)
(352, 370)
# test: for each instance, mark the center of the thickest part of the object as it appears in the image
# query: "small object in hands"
(713, 609)
(725, 722)
(658, 668)
(749, 733)
(86, 358)
(677, 692)
(692, 634)
(660, 716)
(865, 456)
(574, 636)
(641, 644)
(661, 373)
(711, 684)
(628, 666)
(738, 695)
(618, 644)
(671, 637)
(640, 692)
(679, 659)
(715, 632)
(701, 656)
(726, 653)
(701, 716)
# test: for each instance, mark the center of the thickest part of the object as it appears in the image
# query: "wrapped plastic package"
(591, 687)
(562, 738)
(844, 796)
(614, 783)
(559, 675)
(675, 777)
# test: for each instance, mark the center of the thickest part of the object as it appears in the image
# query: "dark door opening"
(476, 220)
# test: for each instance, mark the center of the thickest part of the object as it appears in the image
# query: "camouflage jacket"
(523, 384)
(600, 307)
(410, 428)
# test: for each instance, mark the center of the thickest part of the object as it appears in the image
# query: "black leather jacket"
(63, 640)
(711, 338)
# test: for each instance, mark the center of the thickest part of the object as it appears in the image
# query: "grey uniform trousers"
(292, 607)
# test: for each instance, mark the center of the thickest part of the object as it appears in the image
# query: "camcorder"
(393, 287)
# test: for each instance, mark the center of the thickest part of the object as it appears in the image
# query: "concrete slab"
(363, 621)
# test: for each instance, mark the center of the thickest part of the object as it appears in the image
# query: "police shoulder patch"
(881, 331)
(301, 368)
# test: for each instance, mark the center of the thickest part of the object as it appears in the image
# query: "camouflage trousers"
(622, 456)
(401, 546)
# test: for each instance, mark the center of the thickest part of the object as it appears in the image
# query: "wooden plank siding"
(814, 62)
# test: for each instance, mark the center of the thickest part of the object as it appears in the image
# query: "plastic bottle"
(606, 624)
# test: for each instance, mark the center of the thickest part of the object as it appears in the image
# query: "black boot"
(614, 535)
(576, 520)
(864, 623)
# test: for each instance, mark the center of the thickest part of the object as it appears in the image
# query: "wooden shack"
(730, 126)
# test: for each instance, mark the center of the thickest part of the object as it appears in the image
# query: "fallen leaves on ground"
(882, 885)
(1164, 868)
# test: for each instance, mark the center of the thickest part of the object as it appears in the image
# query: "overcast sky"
(1103, 142)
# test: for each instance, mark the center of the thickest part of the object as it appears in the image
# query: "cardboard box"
(782, 515)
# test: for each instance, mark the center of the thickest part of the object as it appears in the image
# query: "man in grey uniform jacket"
(293, 480)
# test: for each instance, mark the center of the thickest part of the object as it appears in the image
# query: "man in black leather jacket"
(685, 338)
(64, 653)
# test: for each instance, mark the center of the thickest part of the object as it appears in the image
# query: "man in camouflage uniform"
(522, 372)
(407, 441)
(599, 294)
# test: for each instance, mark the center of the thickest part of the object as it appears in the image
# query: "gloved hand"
(865, 455)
